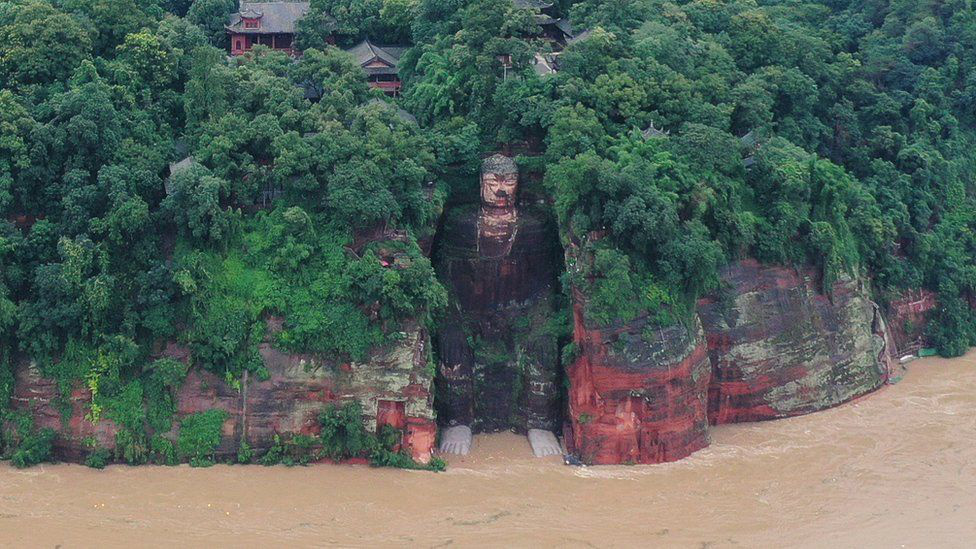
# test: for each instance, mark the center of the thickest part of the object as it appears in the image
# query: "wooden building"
(555, 29)
(381, 65)
(270, 24)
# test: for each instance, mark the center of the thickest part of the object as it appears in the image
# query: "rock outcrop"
(770, 345)
(779, 347)
(637, 395)
(40, 397)
(393, 387)
(908, 314)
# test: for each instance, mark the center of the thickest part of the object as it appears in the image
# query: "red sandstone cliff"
(39, 395)
(636, 395)
(780, 348)
(908, 314)
(393, 386)
(773, 347)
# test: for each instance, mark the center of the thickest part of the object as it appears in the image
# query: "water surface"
(895, 469)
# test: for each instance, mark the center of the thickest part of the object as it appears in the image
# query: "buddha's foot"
(456, 440)
(544, 443)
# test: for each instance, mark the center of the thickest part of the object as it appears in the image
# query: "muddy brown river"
(895, 469)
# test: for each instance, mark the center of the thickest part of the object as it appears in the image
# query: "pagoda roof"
(565, 26)
(544, 65)
(544, 20)
(276, 17)
(366, 53)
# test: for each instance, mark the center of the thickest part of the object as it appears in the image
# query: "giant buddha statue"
(498, 258)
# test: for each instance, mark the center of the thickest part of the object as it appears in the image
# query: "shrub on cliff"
(24, 445)
(200, 436)
(33, 449)
(343, 436)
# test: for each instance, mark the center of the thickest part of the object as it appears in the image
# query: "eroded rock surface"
(780, 348)
(637, 394)
(393, 387)
(908, 314)
(41, 397)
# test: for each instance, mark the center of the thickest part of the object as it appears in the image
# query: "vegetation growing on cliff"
(104, 257)
(343, 436)
(685, 134)
(200, 435)
(676, 135)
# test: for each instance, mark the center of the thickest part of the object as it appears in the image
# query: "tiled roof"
(366, 52)
(275, 17)
(543, 65)
(565, 26)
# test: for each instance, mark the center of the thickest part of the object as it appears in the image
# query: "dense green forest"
(838, 132)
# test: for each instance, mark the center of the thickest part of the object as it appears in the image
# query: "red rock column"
(636, 395)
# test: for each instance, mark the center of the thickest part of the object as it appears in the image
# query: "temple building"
(555, 29)
(270, 24)
(381, 65)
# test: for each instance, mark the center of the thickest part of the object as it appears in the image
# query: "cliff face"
(772, 347)
(769, 346)
(908, 316)
(393, 386)
(637, 395)
(39, 396)
(780, 348)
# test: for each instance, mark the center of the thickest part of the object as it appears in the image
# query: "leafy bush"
(162, 451)
(166, 376)
(33, 449)
(200, 436)
(22, 443)
(343, 436)
(291, 450)
(244, 453)
(98, 458)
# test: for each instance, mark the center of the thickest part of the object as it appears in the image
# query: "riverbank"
(896, 468)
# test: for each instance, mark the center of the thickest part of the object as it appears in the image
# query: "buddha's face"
(498, 190)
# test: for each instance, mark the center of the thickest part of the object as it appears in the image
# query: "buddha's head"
(499, 181)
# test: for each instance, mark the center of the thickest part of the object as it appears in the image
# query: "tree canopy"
(153, 190)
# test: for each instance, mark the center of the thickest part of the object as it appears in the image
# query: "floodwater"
(895, 469)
